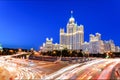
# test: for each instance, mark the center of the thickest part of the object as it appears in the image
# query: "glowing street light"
(61, 48)
(41, 48)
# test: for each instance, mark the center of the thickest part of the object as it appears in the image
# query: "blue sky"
(27, 23)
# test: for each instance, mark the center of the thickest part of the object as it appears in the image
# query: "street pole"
(60, 52)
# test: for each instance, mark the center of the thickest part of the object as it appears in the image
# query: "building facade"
(74, 37)
(95, 44)
(117, 49)
(109, 46)
(49, 45)
(86, 46)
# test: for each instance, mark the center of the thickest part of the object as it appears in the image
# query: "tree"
(64, 52)
(80, 53)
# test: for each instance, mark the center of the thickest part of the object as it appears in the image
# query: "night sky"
(27, 23)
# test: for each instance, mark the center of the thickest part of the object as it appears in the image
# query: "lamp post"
(61, 48)
(41, 49)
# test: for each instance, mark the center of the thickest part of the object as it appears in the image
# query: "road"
(31, 69)
(97, 69)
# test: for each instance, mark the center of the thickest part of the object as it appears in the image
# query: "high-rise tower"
(74, 37)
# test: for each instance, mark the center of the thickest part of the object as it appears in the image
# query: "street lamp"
(61, 48)
(41, 49)
(54, 53)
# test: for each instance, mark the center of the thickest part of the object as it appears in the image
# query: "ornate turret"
(98, 35)
(61, 30)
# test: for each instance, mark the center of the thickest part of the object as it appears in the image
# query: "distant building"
(56, 46)
(109, 46)
(96, 37)
(74, 37)
(49, 46)
(96, 44)
(85, 46)
(117, 49)
(96, 47)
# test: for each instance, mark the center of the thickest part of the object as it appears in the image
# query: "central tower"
(74, 37)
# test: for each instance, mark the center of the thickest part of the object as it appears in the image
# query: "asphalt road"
(31, 69)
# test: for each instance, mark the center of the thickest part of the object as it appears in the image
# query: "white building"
(85, 46)
(49, 46)
(117, 49)
(74, 37)
(56, 46)
(109, 46)
(96, 45)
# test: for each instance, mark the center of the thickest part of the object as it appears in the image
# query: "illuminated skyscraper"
(74, 37)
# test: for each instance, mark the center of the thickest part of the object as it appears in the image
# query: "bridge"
(23, 55)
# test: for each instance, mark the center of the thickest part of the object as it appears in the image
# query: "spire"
(71, 20)
(71, 13)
